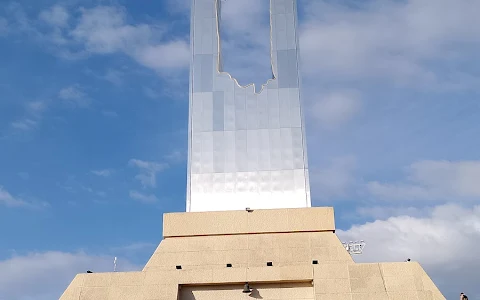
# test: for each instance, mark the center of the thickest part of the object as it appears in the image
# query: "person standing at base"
(463, 296)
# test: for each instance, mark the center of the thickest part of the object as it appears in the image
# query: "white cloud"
(104, 30)
(245, 16)
(407, 192)
(71, 92)
(444, 242)
(135, 195)
(385, 212)
(55, 16)
(459, 178)
(174, 54)
(33, 114)
(433, 181)
(35, 110)
(148, 171)
(381, 40)
(115, 76)
(245, 41)
(103, 173)
(36, 107)
(24, 124)
(336, 108)
(390, 40)
(403, 43)
(74, 95)
(10, 201)
(45, 275)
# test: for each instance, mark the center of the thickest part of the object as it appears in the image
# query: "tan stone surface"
(229, 275)
(154, 291)
(375, 295)
(131, 292)
(78, 281)
(243, 222)
(72, 293)
(402, 283)
(364, 270)
(128, 279)
(426, 295)
(291, 239)
(97, 279)
(402, 295)
(367, 284)
(324, 271)
(346, 296)
(397, 270)
(94, 293)
(271, 291)
(332, 286)
(252, 250)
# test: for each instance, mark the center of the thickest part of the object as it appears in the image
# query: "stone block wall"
(307, 259)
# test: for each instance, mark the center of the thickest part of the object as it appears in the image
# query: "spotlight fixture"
(247, 289)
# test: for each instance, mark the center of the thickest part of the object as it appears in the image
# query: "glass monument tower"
(245, 148)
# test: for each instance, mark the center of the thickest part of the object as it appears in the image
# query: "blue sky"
(93, 123)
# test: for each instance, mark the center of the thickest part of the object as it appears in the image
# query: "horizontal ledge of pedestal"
(231, 276)
(244, 233)
(252, 282)
(314, 219)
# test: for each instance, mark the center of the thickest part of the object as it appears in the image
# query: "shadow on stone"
(255, 294)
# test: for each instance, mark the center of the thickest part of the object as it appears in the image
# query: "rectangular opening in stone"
(265, 291)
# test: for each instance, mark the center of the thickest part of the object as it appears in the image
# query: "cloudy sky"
(93, 122)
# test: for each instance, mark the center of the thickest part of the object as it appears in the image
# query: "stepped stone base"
(307, 261)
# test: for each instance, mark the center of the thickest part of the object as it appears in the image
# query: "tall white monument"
(246, 149)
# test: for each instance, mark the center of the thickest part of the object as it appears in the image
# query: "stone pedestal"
(282, 253)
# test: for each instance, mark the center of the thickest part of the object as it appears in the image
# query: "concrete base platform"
(283, 254)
